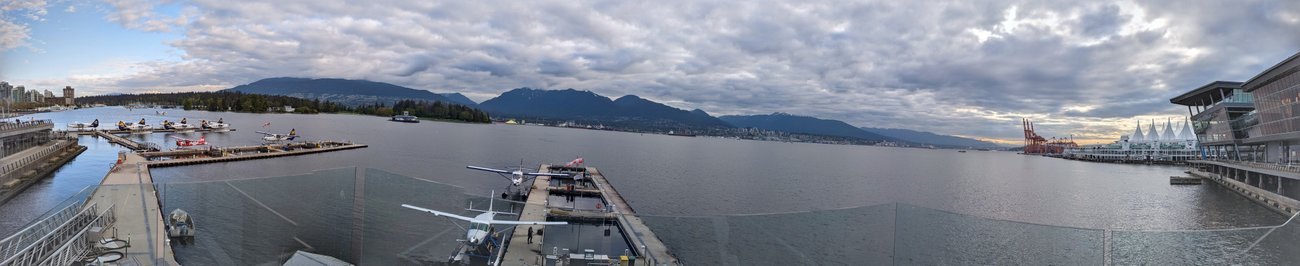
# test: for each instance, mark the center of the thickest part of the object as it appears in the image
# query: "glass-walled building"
(1221, 112)
(1250, 132)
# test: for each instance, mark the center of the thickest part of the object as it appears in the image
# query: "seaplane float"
(480, 234)
(79, 126)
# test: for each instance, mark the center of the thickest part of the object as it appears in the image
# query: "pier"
(228, 154)
(647, 248)
(129, 144)
(126, 206)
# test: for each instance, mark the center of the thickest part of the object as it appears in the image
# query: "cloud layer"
(968, 68)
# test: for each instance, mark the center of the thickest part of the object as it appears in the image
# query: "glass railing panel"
(263, 220)
(393, 235)
(853, 236)
(932, 237)
(1200, 247)
(1279, 246)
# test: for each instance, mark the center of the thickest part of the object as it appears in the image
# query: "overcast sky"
(970, 68)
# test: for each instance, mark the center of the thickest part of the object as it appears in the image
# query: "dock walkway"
(129, 188)
(634, 228)
(518, 251)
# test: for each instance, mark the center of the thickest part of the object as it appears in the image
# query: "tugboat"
(180, 226)
(405, 117)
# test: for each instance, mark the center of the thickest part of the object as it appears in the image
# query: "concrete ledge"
(1278, 203)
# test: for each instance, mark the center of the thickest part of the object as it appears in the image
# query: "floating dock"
(228, 154)
(648, 249)
(1182, 180)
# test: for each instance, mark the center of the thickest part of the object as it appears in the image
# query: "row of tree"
(258, 103)
(430, 109)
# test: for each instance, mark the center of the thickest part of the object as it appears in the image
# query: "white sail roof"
(1137, 134)
(1186, 133)
(1169, 131)
(1152, 134)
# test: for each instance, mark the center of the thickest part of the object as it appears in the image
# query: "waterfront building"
(1221, 112)
(1151, 146)
(1250, 133)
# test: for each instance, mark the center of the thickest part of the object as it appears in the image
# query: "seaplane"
(137, 128)
(84, 126)
(272, 137)
(517, 176)
(480, 231)
(183, 126)
(184, 142)
(219, 125)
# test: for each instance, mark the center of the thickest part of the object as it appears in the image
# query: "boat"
(180, 225)
(961, 151)
(405, 117)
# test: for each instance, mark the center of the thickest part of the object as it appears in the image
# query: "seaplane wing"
(438, 213)
(526, 222)
(546, 174)
(488, 169)
(267, 133)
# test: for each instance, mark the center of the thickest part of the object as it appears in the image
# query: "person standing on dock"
(530, 235)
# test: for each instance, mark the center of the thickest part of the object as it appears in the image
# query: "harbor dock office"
(1250, 131)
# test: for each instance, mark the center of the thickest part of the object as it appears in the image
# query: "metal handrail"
(23, 255)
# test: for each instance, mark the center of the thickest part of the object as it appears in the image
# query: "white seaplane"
(517, 176)
(83, 126)
(273, 137)
(137, 128)
(480, 231)
(219, 125)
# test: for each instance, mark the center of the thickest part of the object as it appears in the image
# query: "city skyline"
(969, 69)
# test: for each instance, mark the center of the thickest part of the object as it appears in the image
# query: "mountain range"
(801, 124)
(923, 137)
(588, 107)
(345, 91)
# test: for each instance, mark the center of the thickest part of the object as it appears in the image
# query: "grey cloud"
(910, 64)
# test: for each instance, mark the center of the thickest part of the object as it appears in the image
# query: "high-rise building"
(19, 94)
(5, 91)
(68, 95)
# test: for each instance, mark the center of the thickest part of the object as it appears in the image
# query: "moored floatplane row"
(142, 127)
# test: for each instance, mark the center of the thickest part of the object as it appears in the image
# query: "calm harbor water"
(710, 194)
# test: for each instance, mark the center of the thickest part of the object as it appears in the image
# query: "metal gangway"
(60, 239)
